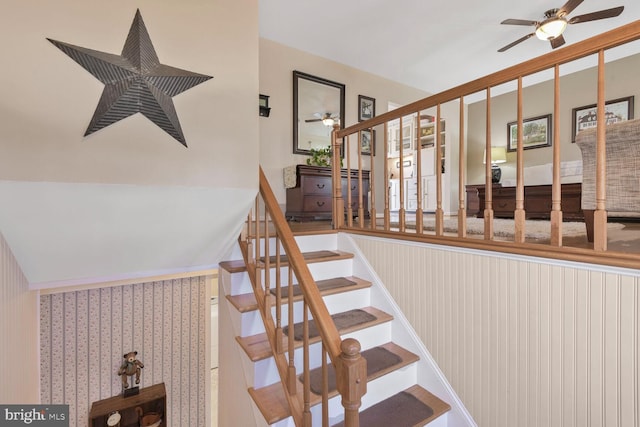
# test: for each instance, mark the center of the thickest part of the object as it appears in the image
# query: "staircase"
(397, 390)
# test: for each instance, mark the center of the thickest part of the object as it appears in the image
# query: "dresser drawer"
(317, 204)
(316, 185)
(504, 206)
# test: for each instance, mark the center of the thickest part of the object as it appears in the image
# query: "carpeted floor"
(378, 359)
(341, 320)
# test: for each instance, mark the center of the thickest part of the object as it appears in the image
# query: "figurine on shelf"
(130, 367)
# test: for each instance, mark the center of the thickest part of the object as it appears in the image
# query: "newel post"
(352, 381)
(338, 202)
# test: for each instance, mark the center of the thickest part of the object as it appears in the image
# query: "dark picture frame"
(616, 110)
(366, 108)
(315, 98)
(536, 133)
(368, 142)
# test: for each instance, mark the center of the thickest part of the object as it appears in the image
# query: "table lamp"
(498, 155)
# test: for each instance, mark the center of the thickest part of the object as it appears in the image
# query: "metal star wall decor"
(134, 82)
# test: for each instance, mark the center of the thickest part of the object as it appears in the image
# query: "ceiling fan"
(327, 119)
(555, 21)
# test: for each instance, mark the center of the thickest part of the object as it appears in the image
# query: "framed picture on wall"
(536, 133)
(366, 108)
(368, 142)
(616, 110)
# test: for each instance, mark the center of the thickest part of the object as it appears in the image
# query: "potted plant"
(321, 157)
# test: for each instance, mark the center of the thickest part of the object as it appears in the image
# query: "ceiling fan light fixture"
(551, 28)
(328, 121)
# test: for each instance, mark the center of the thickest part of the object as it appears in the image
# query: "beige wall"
(127, 200)
(18, 333)
(523, 343)
(277, 63)
(576, 90)
(47, 106)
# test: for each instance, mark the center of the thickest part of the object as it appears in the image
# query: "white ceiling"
(421, 44)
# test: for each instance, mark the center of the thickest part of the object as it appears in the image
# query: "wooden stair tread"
(272, 402)
(257, 346)
(385, 413)
(247, 302)
(238, 266)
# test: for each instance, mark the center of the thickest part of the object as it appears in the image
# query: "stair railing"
(267, 233)
(424, 120)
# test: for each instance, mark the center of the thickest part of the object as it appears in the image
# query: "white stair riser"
(305, 243)
(368, 338)
(377, 390)
(240, 283)
(251, 322)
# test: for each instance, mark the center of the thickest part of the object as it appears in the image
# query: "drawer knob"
(320, 203)
(353, 187)
(502, 205)
(321, 186)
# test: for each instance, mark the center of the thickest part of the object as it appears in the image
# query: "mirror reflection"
(317, 104)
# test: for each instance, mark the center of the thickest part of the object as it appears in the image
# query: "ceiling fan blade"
(312, 120)
(568, 7)
(557, 42)
(520, 40)
(602, 14)
(518, 22)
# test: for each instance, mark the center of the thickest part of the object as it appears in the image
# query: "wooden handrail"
(350, 367)
(621, 35)
(596, 46)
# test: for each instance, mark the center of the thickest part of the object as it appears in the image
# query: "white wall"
(523, 343)
(576, 90)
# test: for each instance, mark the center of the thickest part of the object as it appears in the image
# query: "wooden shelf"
(150, 399)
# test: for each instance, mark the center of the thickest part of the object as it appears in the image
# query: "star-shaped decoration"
(134, 82)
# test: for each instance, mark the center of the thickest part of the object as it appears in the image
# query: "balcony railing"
(393, 220)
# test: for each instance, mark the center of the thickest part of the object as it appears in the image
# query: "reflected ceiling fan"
(555, 21)
(327, 119)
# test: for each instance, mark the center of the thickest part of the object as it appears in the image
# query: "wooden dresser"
(537, 201)
(312, 197)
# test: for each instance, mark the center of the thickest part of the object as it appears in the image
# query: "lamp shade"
(498, 155)
(551, 29)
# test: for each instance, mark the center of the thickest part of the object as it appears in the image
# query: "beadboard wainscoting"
(523, 343)
(84, 335)
(18, 332)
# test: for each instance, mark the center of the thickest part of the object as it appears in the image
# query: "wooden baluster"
(556, 189)
(419, 212)
(349, 201)
(387, 213)
(305, 366)
(325, 388)
(600, 214)
(351, 380)
(462, 212)
(372, 180)
(401, 212)
(519, 213)
(488, 199)
(359, 184)
(267, 265)
(256, 240)
(438, 145)
(291, 380)
(249, 238)
(338, 201)
(279, 335)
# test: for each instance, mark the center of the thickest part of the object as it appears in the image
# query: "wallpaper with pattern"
(84, 335)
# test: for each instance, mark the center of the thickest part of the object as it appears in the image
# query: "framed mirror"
(317, 104)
